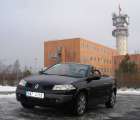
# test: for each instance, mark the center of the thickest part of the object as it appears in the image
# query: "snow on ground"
(7, 88)
(129, 91)
(7, 91)
(7, 95)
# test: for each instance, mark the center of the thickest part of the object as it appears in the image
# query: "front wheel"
(81, 104)
(111, 100)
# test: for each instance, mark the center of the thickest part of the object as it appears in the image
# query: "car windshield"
(73, 70)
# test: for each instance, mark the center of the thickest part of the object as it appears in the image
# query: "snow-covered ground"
(7, 89)
(129, 91)
(7, 95)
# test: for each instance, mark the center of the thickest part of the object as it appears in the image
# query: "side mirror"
(90, 78)
(93, 78)
(96, 78)
(41, 72)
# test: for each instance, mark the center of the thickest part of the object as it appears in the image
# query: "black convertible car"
(77, 85)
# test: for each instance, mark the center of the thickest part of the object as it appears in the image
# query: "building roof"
(65, 39)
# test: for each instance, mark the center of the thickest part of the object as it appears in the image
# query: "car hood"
(51, 79)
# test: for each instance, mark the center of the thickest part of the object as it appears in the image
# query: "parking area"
(126, 108)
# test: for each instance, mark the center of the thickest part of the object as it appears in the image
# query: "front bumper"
(51, 98)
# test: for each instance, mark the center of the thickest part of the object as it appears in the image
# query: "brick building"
(84, 51)
(81, 51)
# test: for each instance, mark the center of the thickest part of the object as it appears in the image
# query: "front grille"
(29, 85)
(42, 87)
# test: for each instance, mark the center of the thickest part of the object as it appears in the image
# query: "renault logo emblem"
(36, 86)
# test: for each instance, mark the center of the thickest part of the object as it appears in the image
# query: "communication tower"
(121, 22)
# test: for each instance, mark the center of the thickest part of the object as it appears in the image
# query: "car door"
(107, 85)
(96, 90)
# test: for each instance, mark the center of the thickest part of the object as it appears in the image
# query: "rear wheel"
(81, 104)
(111, 100)
(27, 105)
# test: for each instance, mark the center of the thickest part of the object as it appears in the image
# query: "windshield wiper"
(46, 73)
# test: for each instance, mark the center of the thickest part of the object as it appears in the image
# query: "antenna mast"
(121, 22)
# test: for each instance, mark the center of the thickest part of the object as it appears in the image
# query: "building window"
(114, 61)
(98, 59)
(91, 58)
(104, 61)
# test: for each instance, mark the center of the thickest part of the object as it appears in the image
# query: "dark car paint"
(51, 79)
(97, 89)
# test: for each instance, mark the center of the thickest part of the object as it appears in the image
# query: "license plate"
(35, 94)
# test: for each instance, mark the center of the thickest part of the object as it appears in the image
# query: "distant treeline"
(129, 80)
(128, 74)
(11, 74)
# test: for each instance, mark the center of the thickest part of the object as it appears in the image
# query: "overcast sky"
(25, 24)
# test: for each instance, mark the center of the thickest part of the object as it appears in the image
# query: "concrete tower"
(121, 22)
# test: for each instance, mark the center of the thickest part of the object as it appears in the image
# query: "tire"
(111, 100)
(80, 104)
(27, 106)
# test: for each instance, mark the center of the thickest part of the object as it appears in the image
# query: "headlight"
(63, 87)
(22, 82)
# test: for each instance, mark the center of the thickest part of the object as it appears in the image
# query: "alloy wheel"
(81, 104)
(113, 99)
